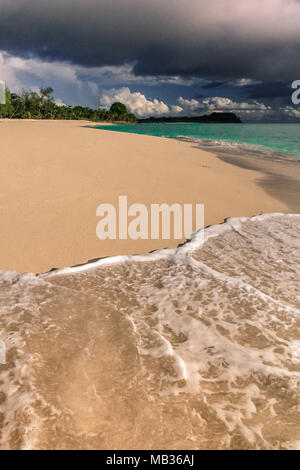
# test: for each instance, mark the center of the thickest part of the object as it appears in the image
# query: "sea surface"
(277, 139)
(188, 348)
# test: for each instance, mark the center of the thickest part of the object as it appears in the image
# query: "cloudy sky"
(159, 57)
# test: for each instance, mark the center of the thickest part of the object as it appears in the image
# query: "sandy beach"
(153, 349)
(54, 174)
(123, 325)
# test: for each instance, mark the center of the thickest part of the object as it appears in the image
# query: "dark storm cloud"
(268, 89)
(215, 84)
(220, 39)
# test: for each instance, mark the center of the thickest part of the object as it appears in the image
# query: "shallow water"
(188, 348)
(274, 140)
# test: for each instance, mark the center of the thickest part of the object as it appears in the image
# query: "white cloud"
(59, 102)
(176, 109)
(8, 74)
(244, 82)
(16, 71)
(189, 105)
(247, 110)
(292, 112)
(136, 102)
(43, 70)
(218, 103)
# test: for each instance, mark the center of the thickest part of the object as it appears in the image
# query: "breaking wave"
(226, 146)
(190, 348)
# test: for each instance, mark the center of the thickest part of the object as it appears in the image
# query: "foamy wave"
(192, 347)
(229, 146)
(196, 241)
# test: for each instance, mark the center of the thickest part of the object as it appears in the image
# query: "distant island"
(230, 118)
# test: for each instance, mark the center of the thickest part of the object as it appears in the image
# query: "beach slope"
(54, 174)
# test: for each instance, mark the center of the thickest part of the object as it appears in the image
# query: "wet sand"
(280, 179)
(54, 174)
(194, 348)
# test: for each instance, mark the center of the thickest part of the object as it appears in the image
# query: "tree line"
(34, 105)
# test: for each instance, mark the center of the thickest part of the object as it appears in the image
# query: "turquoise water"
(279, 138)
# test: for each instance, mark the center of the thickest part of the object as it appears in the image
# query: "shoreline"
(157, 254)
(55, 175)
(182, 311)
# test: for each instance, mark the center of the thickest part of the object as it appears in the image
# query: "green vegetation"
(33, 105)
(118, 108)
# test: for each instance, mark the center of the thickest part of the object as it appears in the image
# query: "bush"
(118, 108)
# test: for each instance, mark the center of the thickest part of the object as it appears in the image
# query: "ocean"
(190, 348)
(269, 139)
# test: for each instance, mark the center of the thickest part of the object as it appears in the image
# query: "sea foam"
(191, 347)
